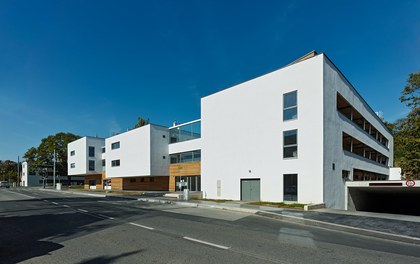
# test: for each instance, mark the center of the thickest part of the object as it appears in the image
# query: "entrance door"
(250, 189)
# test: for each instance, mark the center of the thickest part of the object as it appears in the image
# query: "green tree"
(8, 171)
(42, 156)
(407, 130)
(141, 122)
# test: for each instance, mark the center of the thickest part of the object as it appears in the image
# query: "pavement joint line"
(81, 210)
(142, 226)
(206, 243)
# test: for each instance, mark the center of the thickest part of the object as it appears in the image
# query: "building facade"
(297, 134)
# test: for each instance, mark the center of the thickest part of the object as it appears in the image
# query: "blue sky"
(93, 67)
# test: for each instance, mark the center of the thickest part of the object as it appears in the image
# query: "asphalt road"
(49, 227)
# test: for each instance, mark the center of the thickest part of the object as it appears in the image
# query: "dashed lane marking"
(206, 243)
(104, 216)
(142, 226)
(81, 210)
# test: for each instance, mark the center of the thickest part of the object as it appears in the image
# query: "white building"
(138, 159)
(85, 158)
(296, 135)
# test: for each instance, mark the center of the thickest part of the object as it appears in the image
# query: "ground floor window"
(92, 182)
(290, 187)
(193, 183)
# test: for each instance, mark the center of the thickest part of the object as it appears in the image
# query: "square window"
(72, 165)
(141, 179)
(151, 179)
(132, 179)
(115, 145)
(115, 163)
(72, 153)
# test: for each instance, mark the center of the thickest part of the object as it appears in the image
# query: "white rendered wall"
(334, 125)
(134, 153)
(395, 174)
(242, 134)
(184, 146)
(159, 151)
(25, 174)
(141, 153)
(81, 157)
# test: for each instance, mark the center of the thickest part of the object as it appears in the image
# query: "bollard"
(186, 194)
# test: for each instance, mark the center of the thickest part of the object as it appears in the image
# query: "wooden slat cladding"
(96, 177)
(116, 183)
(185, 169)
(172, 183)
(149, 183)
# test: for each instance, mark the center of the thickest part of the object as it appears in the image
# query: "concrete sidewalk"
(403, 228)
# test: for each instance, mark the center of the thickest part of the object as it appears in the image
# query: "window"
(151, 179)
(290, 187)
(185, 132)
(103, 149)
(73, 165)
(91, 151)
(290, 106)
(72, 153)
(164, 157)
(290, 144)
(141, 179)
(91, 165)
(132, 179)
(103, 163)
(190, 156)
(115, 163)
(115, 145)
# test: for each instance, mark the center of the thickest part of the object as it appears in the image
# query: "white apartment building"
(138, 159)
(297, 134)
(85, 158)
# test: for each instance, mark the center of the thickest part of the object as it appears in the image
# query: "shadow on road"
(106, 259)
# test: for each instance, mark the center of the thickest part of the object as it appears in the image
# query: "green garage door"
(250, 189)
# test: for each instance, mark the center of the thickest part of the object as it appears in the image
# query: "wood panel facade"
(149, 183)
(185, 169)
(94, 177)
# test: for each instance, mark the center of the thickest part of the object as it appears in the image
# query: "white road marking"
(81, 210)
(104, 216)
(54, 203)
(45, 201)
(64, 205)
(142, 226)
(206, 243)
